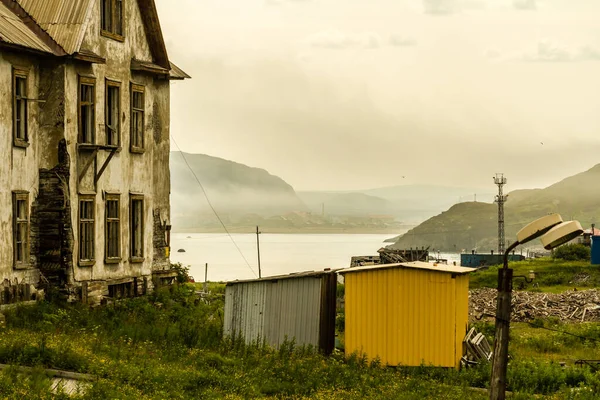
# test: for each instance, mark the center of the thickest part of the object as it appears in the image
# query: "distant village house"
(84, 124)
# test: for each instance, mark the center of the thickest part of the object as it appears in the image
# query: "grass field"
(550, 275)
(169, 346)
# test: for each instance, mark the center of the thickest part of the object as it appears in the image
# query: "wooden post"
(258, 250)
(206, 278)
(500, 361)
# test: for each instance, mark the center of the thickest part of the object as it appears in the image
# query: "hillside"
(473, 225)
(355, 204)
(234, 190)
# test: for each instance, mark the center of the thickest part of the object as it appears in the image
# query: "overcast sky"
(354, 94)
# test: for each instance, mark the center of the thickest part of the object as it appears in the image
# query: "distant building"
(85, 138)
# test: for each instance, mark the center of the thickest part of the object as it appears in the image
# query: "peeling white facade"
(56, 168)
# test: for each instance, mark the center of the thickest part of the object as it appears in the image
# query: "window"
(113, 229)
(86, 230)
(87, 110)
(136, 227)
(21, 228)
(137, 118)
(20, 107)
(111, 114)
(112, 19)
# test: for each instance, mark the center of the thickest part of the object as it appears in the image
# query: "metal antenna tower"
(500, 180)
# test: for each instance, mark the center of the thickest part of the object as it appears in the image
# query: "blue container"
(595, 250)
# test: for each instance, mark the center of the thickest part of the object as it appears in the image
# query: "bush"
(572, 252)
(183, 273)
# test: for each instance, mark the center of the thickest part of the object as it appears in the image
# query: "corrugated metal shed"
(407, 314)
(14, 31)
(64, 20)
(273, 309)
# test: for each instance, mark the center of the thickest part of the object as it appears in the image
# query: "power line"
(534, 325)
(211, 206)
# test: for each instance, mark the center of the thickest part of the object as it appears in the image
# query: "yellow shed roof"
(453, 269)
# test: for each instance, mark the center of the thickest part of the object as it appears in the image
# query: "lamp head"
(561, 234)
(538, 227)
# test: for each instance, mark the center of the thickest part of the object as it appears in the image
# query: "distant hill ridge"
(473, 225)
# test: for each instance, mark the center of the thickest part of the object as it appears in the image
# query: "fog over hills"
(473, 225)
(243, 195)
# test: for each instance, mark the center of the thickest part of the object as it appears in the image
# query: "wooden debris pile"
(393, 256)
(573, 305)
(477, 348)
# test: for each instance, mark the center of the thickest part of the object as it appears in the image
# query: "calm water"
(280, 253)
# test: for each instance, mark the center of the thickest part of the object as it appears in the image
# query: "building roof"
(58, 27)
(64, 20)
(305, 274)
(14, 31)
(453, 269)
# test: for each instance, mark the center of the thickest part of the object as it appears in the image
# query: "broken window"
(87, 110)
(137, 118)
(113, 109)
(113, 228)
(112, 18)
(136, 227)
(21, 228)
(20, 112)
(86, 230)
(122, 290)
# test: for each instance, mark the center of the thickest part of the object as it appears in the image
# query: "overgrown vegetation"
(572, 252)
(169, 345)
(553, 275)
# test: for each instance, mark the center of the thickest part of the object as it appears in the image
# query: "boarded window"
(122, 290)
(87, 110)
(137, 118)
(20, 111)
(137, 228)
(113, 228)
(21, 228)
(112, 18)
(86, 230)
(113, 109)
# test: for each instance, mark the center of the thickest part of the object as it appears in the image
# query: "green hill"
(474, 225)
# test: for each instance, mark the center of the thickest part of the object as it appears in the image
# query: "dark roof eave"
(88, 56)
(24, 49)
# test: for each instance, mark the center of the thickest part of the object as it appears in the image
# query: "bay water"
(280, 253)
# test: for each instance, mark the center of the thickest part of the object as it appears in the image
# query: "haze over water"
(280, 253)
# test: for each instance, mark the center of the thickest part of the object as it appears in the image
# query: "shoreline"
(252, 230)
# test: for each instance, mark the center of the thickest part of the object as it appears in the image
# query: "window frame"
(112, 31)
(86, 262)
(133, 258)
(20, 195)
(133, 148)
(112, 84)
(20, 73)
(86, 81)
(107, 221)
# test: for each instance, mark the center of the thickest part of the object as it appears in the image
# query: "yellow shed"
(410, 314)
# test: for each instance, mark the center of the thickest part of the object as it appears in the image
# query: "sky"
(357, 94)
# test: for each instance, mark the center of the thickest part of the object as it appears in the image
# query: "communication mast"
(500, 180)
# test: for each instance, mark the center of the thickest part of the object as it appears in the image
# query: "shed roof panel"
(453, 269)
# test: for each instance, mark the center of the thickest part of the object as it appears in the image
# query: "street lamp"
(554, 232)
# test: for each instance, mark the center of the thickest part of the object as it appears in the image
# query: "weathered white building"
(84, 134)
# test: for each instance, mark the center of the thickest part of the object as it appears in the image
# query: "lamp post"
(554, 232)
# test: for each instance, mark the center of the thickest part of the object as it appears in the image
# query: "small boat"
(181, 251)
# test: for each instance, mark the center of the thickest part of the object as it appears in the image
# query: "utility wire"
(541, 327)
(212, 208)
